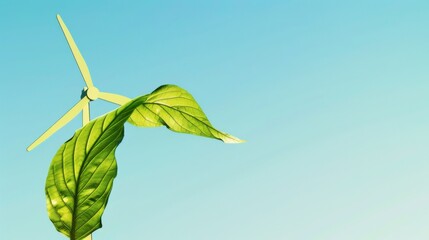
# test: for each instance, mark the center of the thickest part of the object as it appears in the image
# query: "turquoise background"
(332, 97)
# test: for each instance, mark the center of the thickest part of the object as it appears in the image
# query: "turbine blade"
(76, 53)
(60, 123)
(85, 114)
(114, 98)
(89, 237)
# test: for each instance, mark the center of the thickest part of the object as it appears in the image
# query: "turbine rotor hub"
(92, 93)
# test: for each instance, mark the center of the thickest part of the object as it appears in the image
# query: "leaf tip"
(232, 139)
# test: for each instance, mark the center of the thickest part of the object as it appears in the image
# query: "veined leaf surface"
(81, 174)
(175, 108)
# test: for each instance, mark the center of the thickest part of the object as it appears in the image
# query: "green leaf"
(175, 108)
(81, 174)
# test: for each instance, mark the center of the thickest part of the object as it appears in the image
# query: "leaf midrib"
(74, 217)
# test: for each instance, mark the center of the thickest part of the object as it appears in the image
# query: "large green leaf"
(81, 174)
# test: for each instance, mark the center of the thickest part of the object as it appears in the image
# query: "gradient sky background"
(332, 97)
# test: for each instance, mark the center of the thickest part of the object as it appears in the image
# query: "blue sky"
(331, 97)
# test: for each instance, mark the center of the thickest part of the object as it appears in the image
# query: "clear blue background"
(332, 97)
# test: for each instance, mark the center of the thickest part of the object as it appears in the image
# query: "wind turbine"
(89, 93)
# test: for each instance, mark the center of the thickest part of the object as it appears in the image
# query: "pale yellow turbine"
(90, 93)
